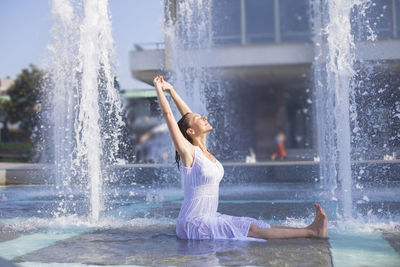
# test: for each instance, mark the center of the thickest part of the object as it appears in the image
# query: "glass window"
(397, 6)
(380, 18)
(294, 20)
(259, 21)
(226, 21)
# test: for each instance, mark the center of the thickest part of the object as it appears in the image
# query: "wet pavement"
(160, 247)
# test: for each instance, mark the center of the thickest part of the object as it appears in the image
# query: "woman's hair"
(183, 125)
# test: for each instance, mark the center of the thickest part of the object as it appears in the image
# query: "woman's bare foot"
(319, 225)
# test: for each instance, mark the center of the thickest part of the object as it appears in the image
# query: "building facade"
(5, 84)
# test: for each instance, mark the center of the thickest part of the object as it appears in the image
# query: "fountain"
(85, 107)
(187, 51)
(334, 71)
(190, 60)
(343, 83)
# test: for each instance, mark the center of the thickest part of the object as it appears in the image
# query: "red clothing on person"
(280, 151)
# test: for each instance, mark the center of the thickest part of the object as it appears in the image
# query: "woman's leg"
(282, 227)
(273, 233)
(317, 229)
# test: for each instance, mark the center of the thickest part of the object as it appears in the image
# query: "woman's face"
(198, 124)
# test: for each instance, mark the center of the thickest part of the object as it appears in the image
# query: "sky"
(25, 24)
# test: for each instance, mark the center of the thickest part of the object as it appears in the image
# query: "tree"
(4, 120)
(24, 95)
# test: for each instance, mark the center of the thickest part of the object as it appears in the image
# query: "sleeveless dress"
(198, 218)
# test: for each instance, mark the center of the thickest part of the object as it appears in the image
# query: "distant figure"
(280, 151)
(202, 172)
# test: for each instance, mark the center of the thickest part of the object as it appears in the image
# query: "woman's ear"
(190, 131)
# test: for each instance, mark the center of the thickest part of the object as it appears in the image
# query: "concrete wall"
(25, 174)
(168, 174)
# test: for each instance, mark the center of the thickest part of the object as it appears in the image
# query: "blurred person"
(198, 217)
(280, 151)
(142, 149)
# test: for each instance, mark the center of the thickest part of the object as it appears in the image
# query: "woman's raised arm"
(180, 104)
(183, 146)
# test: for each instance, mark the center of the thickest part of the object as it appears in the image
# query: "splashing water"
(341, 79)
(190, 60)
(84, 106)
(189, 40)
(336, 50)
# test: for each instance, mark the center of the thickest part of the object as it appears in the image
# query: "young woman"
(198, 217)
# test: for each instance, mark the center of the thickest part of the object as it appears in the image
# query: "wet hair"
(183, 125)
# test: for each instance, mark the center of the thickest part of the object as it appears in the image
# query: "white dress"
(198, 218)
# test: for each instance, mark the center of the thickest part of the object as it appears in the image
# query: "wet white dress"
(198, 218)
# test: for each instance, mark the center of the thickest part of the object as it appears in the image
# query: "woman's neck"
(200, 142)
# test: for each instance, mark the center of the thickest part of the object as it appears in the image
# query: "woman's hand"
(166, 86)
(157, 82)
(160, 83)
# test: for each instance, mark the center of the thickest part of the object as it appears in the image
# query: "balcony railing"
(149, 46)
